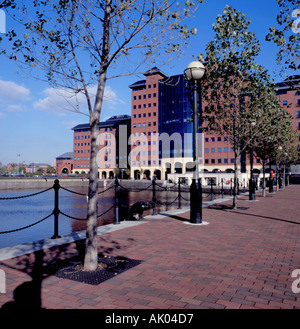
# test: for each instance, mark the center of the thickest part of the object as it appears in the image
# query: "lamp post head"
(195, 71)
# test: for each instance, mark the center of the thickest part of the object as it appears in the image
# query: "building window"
(219, 161)
(212, 139)
(219, 139)
(284, 103)
(225, 161)
(219, 150)
(206, 150)
(213, 150)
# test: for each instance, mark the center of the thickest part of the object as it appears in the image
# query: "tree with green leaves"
(266, 138)
(231, 77)
(74, 44)
(287, 34)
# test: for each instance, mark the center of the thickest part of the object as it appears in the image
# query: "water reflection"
(18, 213)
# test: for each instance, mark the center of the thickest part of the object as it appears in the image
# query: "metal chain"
(72, 191)
(76, 218)
(23, 228)
(26, 196)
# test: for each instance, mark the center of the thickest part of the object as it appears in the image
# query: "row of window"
(214, 139)
(145, 124)
(144, 153)
(144, 115)
(81, 151)
(225, 161)
(81, 144)
(144, 96)
(144, 143)
(140, 163)
(82, 137)
(144, 106)
(81, 159)
(219, 150)
(88, 166)
(285, 103)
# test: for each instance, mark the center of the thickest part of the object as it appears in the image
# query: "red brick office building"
(112, 133)
(64, 163)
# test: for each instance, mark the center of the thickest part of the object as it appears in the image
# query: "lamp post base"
(251, 189)
(196, 202)
(271, 185)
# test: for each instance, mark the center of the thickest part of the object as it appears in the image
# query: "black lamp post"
(194, 73)
(251, 182)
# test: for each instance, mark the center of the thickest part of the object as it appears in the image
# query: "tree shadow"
(230, 209)
(44, 263)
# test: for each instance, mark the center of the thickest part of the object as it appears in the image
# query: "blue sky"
(35, 128)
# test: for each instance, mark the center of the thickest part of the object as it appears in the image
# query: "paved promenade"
(242, 259)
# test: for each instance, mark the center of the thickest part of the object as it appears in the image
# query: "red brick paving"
(243, 259)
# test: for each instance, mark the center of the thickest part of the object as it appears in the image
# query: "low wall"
(36, 183)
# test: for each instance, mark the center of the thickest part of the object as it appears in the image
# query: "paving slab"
(243, 259)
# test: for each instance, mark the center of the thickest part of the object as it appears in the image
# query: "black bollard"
(179, 194)
(153, 197)
(56, 210)
(117, 221)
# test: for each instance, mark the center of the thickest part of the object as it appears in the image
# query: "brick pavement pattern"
(243, 259)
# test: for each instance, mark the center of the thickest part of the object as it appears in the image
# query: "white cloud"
(15, 108)
(59, 101)
(13, 92)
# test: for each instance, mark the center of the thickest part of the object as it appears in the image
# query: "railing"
(153, 187)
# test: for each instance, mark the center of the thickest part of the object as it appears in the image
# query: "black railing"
(153, 187)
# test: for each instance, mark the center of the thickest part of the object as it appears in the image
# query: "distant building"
(34, 166)
(144, 156)
(288, 92)
(113, 151)
(64, 163)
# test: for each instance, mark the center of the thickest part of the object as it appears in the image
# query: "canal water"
(22, 212)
